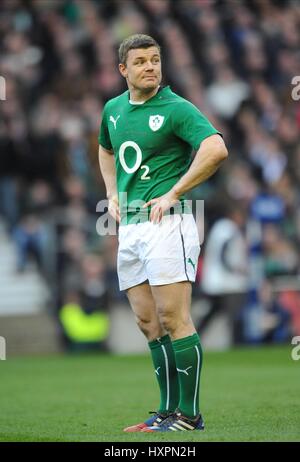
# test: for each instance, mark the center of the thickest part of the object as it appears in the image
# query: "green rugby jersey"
(152, 144)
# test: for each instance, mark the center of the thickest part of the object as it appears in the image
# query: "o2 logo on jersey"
(296, 350)
(138, 160)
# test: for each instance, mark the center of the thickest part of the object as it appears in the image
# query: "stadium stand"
(234, 60)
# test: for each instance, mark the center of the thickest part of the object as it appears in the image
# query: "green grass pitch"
(249, 394)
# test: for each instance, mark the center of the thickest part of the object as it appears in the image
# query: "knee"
(168, 320)
(149, 327)
(173, 322)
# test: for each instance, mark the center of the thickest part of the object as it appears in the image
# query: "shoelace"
(157, 416)
(168, 421)
(171, 419)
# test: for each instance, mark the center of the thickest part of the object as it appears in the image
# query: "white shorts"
(162, 253)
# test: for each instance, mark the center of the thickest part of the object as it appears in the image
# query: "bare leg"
(173, 304)
(162, 354)
(142, 303)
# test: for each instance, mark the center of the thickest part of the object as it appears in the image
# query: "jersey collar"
(140, 103)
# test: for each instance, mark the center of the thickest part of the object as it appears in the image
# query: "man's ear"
(123, 70)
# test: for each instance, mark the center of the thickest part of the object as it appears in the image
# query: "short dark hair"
(133, 42)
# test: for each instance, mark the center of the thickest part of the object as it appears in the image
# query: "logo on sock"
(184, 371)
(156, 370)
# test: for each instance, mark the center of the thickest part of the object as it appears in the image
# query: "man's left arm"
(211, 153)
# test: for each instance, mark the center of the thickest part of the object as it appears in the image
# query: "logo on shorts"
(192, 263)
(155, 122)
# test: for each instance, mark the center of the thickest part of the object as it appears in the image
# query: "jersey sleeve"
(191, 125)
(104, 138)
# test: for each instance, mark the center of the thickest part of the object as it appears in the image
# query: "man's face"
(142, 69)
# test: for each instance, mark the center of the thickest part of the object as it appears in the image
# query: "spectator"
(235, 61)
(226, 93)
(275, 323)
(225, 279)
(84, 315)
(281, 257)
(32, 233)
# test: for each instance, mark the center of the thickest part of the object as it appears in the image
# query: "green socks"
(188, 357)
(165, 370)
(177, 367)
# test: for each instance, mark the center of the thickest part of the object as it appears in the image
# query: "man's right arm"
(108, 171)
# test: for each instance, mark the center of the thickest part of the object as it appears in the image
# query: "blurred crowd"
(235, 60)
